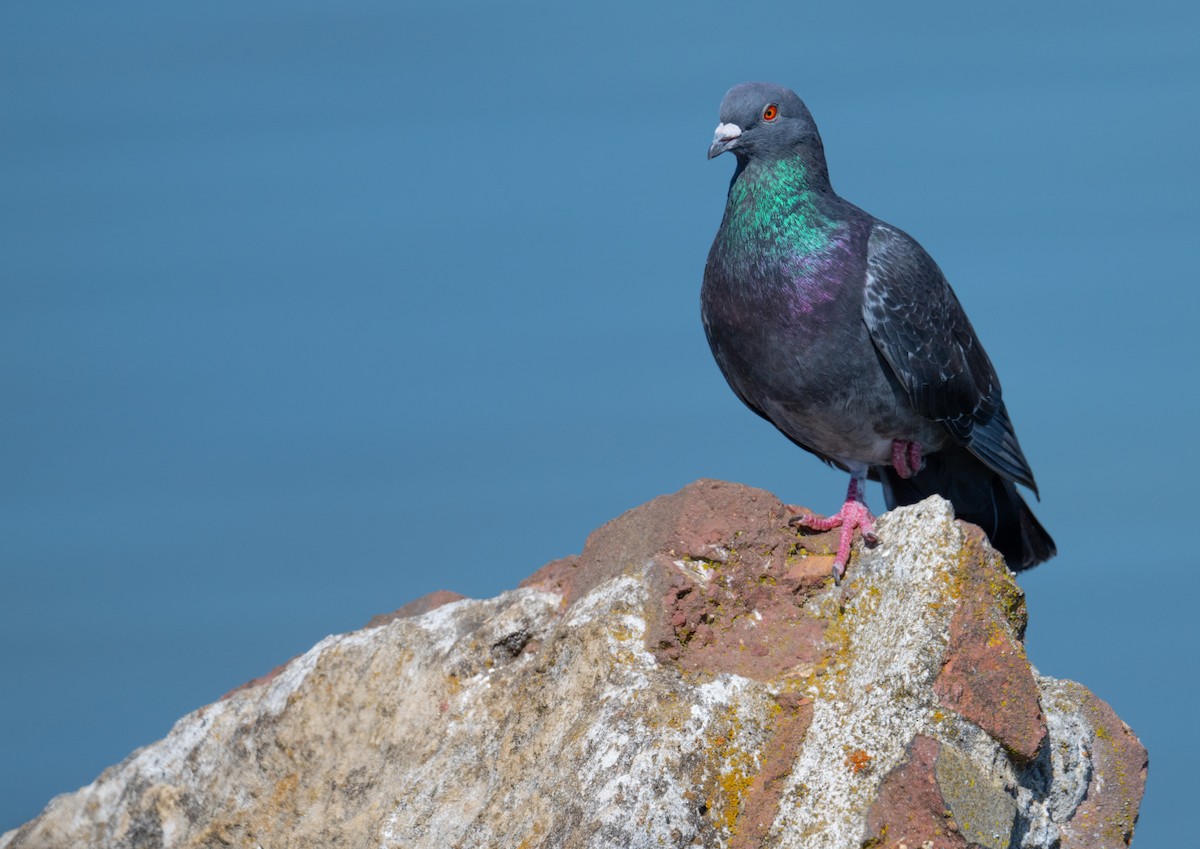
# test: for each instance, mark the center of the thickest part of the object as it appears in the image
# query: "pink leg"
(853, 515)
(906, 458)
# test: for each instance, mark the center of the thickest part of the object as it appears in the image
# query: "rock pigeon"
(840, 330)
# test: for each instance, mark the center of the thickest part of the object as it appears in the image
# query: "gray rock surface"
(692, 678)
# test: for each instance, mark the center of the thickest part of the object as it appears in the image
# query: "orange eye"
(771, 112)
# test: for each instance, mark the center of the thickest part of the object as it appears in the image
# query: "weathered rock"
(910, 807)
(986, 675)
(693, 678)
(416, 607)
(1104, 766)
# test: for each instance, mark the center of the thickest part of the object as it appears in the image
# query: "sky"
(308, 309)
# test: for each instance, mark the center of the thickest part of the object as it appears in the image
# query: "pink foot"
(906, 458)
(854, 515)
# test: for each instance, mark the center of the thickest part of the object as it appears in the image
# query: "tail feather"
(979, 496)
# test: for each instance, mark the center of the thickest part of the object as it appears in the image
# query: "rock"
(986, 675)
(692, 678)
(424, 604)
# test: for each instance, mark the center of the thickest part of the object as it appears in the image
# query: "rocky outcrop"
(693, 678)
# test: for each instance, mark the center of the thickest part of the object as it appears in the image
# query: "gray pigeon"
(842, 332)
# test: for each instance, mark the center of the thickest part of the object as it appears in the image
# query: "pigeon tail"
(979, 496)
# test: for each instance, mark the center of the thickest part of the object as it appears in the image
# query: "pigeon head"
(766, 121)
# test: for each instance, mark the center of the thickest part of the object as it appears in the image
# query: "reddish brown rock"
(745, 618)
(987, 677)
(910, 809)
(555, 576)
(731, 574)
(711, 521)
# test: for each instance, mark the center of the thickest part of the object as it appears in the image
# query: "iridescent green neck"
(773, 206)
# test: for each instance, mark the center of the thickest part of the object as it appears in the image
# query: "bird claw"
(854, 515)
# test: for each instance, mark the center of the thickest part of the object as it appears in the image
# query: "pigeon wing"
(922, 332)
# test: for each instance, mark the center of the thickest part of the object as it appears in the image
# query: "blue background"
(308, 309)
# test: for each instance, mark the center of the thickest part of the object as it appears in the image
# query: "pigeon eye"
(771, 112)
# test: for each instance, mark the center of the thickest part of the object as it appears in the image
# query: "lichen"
(857, 760)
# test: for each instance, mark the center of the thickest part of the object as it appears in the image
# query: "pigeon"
(841, 331)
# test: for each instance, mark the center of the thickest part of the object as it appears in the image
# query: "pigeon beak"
(724, 138)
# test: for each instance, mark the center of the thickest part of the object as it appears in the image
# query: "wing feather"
(924, 335)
